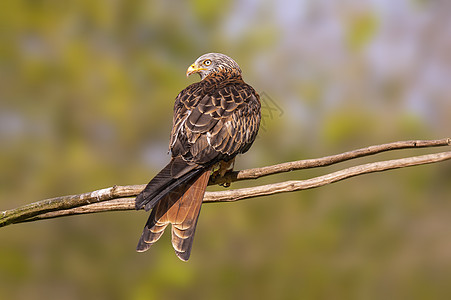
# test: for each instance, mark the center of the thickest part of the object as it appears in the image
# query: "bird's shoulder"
(216, 117)
(215, 92)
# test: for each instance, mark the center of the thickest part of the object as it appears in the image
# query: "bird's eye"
(207, 62)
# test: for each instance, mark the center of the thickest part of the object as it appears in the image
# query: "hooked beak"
(193, 69)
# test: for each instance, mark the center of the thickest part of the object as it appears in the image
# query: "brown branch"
(63, 203)
(114, 196)
(327, 160)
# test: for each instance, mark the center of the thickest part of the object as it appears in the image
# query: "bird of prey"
(214, 120)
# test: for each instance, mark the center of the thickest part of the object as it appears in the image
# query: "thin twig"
(94, 201)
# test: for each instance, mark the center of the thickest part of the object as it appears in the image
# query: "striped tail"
(181, 207)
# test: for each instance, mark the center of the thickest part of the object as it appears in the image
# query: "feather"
(181, 208)
(214, 120)
(176, 172)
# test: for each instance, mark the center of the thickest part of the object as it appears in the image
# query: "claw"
(223, 167)
(226, 184)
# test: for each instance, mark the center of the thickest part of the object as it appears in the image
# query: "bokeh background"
(86, 91)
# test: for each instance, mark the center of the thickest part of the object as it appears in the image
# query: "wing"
(176, 173)
(216, 124)
(212, 122)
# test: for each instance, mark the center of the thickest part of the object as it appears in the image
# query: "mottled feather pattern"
(215, 106)
(214, 120)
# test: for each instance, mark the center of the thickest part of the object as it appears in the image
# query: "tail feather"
(175, 173)
(180, 207)
(171, 186)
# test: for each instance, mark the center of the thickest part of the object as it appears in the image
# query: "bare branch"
(64, 202)
(269, 189)
(327, 160)
(297, 185)
(114, 196)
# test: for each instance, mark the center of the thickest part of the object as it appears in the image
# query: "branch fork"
(118, 198)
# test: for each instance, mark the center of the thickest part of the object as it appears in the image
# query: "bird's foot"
(227, 183)
(224, 180)
(223, 168)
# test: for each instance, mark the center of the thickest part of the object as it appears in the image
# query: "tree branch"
(327, 160)
(114, 198)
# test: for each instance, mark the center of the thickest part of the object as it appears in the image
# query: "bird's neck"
(221, 77)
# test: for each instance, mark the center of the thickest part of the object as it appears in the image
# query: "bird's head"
(212, 63)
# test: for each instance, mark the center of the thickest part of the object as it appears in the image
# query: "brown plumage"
(214, 120)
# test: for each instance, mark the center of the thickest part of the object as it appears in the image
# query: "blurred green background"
(86, 91)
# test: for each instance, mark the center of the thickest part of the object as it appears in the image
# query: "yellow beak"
(193, 69)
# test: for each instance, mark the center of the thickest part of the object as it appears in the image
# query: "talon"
(226, 184)
(223, 168)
